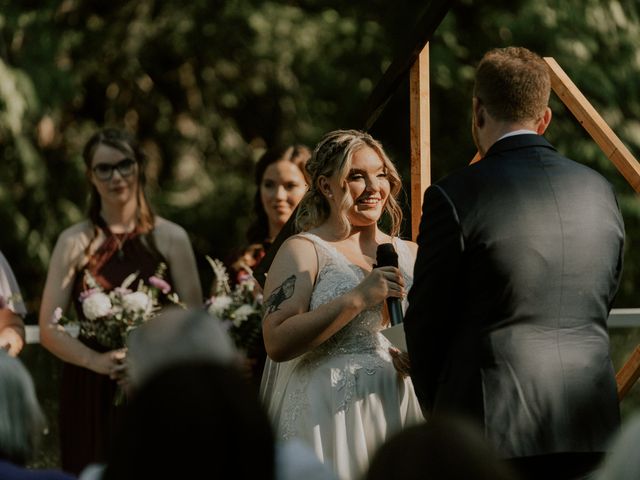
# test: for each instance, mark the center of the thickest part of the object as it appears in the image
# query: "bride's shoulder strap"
(323, 252)
(405, 254)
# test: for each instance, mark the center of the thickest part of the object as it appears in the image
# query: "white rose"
(219, 305)
(242, 313)
(136, 302)
(96, 305)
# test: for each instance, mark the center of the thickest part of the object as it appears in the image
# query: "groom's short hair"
(513, 84)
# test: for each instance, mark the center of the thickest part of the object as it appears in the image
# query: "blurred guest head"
(332, 160)
(280, 185)
(21, 419)
(623, 461)
(441, 449)
(174, 336)
(192, 418)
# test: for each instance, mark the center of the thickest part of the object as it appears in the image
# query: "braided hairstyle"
(333, 156)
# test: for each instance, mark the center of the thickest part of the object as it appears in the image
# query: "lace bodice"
(336, 276)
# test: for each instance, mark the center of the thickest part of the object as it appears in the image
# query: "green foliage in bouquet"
(239, 308)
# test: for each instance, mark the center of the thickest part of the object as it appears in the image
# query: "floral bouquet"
(110, 316)
(239, 308)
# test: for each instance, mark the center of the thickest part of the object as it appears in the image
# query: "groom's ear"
(544, 121)
(478, 112)
(481, 119)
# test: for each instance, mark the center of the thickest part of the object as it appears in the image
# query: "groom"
(518, 264)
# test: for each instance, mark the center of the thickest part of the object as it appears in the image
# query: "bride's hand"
(400, 361)
(381, 283)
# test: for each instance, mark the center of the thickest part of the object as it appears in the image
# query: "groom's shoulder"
(461, 179)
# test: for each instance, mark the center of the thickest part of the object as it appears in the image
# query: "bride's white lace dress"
(344, 398)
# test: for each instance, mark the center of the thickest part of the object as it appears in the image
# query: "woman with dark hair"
(280, 180)
(121, 236)
(280, 185)
(333, 380)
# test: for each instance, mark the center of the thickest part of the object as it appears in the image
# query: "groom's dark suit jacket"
(519, 260)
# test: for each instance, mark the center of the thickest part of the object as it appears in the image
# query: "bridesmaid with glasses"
(121, 236)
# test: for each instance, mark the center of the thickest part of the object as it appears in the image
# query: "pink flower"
(160, 284)
(87, 293)
(243, 276)
(56, 316)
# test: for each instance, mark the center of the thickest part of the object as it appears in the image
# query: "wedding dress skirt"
(344, 398)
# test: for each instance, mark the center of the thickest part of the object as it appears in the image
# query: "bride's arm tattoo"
(280, 294)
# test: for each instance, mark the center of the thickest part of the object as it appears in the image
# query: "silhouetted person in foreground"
(442, 449)
(21, 423)
(195, 419)
(623, 462)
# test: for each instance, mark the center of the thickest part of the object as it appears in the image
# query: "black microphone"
(386, 256)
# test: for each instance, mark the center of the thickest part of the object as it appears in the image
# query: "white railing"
(619, 318)
(624, 318)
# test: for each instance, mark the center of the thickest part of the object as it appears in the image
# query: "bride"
(335, 381)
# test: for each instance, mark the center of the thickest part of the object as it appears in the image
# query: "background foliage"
(208, 84)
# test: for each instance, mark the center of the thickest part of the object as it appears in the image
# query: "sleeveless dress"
(344, 398)
(88, 417)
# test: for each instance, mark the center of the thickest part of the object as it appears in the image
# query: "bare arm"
(64, 264)
(175, 245)
(11, 310)
(11, 332)
(289, 328)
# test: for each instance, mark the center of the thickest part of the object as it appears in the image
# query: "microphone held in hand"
(386, 256)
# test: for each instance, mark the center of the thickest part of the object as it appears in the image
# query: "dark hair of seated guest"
(441, 449)
(196, 419)
(21, 419)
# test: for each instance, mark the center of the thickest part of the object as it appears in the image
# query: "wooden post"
(629, 373)
(594, 124)
(420, 135)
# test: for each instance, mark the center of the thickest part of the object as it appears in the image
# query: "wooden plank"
(419, 109)
(594, 124)
(420, 36)
(629, 373)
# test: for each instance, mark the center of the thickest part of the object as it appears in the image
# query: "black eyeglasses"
(104, 171)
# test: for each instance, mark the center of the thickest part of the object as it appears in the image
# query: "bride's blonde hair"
(333, 156)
